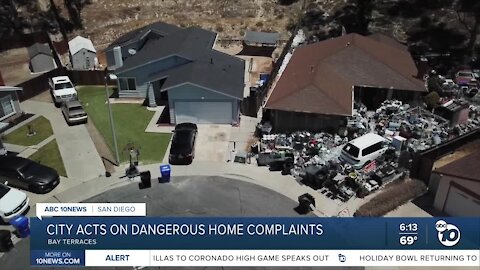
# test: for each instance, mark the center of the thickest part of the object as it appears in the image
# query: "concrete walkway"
(78, 152)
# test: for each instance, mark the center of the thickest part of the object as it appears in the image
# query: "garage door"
(203, 112)
(460, 204)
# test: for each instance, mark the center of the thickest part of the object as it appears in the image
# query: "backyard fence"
(39, 84)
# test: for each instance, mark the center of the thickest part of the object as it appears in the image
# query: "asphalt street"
(201, 196)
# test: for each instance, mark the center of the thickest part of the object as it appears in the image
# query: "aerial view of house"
(179, 67)
(322, 80)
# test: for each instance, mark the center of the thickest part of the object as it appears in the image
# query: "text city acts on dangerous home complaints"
(185, 229)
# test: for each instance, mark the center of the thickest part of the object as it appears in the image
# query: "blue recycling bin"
(22, 225)
(165, 172)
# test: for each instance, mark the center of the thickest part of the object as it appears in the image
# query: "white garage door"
(203, 112)
(460, 204)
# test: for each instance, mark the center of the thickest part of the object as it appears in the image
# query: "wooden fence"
(39, 84)
(423, 162)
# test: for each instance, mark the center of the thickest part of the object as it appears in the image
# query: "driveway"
(212, 143)
(78, 152)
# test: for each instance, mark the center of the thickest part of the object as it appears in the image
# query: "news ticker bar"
(289, 258)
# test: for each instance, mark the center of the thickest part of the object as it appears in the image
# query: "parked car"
(182, 150)
(362, 150)
(464, 77)
(13, 203)
(3, 150)
(73, 112)
(25, 174)
(62, 90)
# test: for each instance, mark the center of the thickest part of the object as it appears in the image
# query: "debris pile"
(313, 158)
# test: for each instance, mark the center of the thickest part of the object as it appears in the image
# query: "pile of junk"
(315, 158)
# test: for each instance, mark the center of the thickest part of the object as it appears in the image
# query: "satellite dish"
(132, 51)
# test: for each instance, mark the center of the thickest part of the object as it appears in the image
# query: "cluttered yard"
(130, 123)
(387, 181)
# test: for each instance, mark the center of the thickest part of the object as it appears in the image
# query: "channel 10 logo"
(448, 234)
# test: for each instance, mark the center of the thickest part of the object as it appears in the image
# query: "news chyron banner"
(99, 238)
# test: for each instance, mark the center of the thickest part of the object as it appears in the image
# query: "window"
(127, 84)
(6, 107)
(372, 149)
(64, 85)
(352, 150)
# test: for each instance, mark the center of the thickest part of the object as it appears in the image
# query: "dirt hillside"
(106, 20)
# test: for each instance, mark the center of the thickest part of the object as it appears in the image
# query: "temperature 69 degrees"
(408, 233)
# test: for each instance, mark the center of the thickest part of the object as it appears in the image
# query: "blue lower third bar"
(57, 258)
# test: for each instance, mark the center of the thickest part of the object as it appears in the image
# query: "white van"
(362, 150)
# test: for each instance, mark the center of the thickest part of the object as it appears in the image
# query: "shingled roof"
(465, 167)
(204, 66)
(159, 28)
(39, 48)
(320, 77)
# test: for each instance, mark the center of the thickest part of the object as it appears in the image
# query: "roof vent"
(211, 61)
(348, 44)
(312, 68)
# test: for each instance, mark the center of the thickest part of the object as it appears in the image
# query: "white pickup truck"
(62, 90)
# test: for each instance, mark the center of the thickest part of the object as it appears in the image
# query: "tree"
(74, 8)
(356, 16)
(11, 22)
(431, 100)
(468, 13)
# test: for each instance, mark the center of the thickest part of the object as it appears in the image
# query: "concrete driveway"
(212, 143)
(78, 152)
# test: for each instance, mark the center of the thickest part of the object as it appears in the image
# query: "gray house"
(178, 68)
(9, 105)
(41, 58)
(82, 53)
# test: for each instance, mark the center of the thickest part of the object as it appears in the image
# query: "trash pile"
(314, 157)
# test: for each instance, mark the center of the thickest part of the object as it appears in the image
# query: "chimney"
(422, 67)
(117, 55)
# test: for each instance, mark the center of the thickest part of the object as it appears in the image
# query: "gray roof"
(206, 67)
(189, 43)
(216, 71)
(39, 48)
(159, 28)
(261, 37)
(9, 88)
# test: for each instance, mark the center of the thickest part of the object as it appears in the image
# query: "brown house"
(318, 87)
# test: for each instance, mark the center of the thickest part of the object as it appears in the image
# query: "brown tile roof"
(466, 167)
(319, 77)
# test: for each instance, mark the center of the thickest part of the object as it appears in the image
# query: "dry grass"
(394, 195)
(106, 20)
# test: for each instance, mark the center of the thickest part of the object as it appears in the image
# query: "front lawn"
(130, 120)
(42, 129)
(49, 155)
